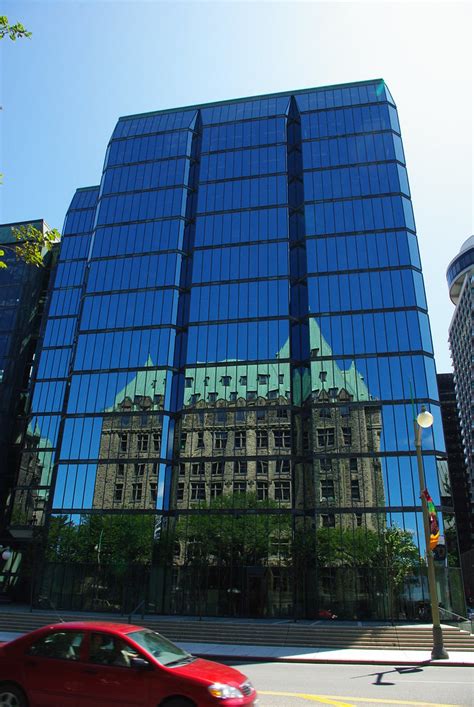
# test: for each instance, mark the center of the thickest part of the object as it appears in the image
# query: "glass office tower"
(237, 322)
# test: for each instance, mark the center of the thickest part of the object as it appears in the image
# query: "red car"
(97, 664)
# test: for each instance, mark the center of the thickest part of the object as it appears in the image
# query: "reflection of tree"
(124, 539)
(224, 535)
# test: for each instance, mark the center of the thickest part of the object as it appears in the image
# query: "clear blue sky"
(90, 62)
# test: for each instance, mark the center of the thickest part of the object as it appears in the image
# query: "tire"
(12, 696)
(176, 702)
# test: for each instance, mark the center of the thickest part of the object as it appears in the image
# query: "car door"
(53, 669)
(110, 678)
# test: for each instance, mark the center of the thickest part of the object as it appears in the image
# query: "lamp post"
(423, 421)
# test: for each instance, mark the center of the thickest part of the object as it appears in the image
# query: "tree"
(14, 32)
(31, 242)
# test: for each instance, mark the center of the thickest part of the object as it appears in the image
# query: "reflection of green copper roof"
(144, 384)
(233, 380)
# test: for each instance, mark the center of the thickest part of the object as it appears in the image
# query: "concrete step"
(330, 634)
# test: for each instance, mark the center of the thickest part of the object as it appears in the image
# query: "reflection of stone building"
(130, 446)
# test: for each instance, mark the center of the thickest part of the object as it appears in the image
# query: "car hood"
(208, 672)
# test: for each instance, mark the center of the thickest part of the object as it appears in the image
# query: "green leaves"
(14, 32)
(33, 244)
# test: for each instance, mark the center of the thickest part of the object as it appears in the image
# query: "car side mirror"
(140, 664)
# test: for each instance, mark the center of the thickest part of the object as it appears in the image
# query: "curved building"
(460, 276)
(236, 329)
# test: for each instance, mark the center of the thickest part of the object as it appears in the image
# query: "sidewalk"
(297, 654)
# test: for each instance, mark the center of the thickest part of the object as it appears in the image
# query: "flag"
(433, 519)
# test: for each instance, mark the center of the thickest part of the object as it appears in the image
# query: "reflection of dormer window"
(314, 353)
(323, 375)
(233, 396)
(251, 394)
(194, 398)
(225, 380)
(333, 392)
(263, 378)
(243, 380)
(212, 397)
(281, 378)
(206, 380)
(272, 394)
(188, 382)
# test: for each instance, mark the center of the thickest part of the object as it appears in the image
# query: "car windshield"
(159, 647)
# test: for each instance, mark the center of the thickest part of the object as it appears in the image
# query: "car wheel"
(177, 702)
(12, 696)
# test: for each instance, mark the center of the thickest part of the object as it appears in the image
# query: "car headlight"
(224, 692)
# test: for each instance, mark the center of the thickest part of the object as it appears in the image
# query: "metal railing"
(141, 606)
(463, 622)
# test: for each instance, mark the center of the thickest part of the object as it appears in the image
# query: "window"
(182, 441)
(120, 469)
(200, 440)
(194, 398)
(328, 520)
(225, 380)
(325, 464)
(153, 491)
(282, 491)
(263, 378)
(272, 394)
(240, 416)
(118, 492)
(217, 468)
(282, 438)
(262, 439)
(137, 491)
(212, 397)
(62, 645)
(156, 441)
(240, 439)
(188, 382)
(240, 467)
(251, 394)
(347, 436)
(353, 464)
(198, 491)
(216, 489)
(198, 468)
(262, 490)
(262, 466)
(182, 469)
(325, 413)
(221, 416)
(282, 413)
(326, 436)
(283, 466)
(281, 378)
(332, 392)
(233, 396)
(180, 492)
(220, 439)
(355, 490)
(243, 380)
(239, 487)
(327, 490)
(140, 469)
(261, 413)
(358, 519)
(344, 411)
(105, 649)
(142, 442)
(123, 442)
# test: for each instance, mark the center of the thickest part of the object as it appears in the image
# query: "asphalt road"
(342, 685)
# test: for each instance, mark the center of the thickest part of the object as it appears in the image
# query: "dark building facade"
(458, 477)
(23, 291)
(223, 395)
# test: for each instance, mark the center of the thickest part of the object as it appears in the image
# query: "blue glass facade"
(236, 323)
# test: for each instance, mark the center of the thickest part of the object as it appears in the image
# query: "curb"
(333, 661)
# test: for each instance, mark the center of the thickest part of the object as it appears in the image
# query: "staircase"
(262, 632)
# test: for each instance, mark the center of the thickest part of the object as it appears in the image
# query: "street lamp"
(6, 553)
(423, 421)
